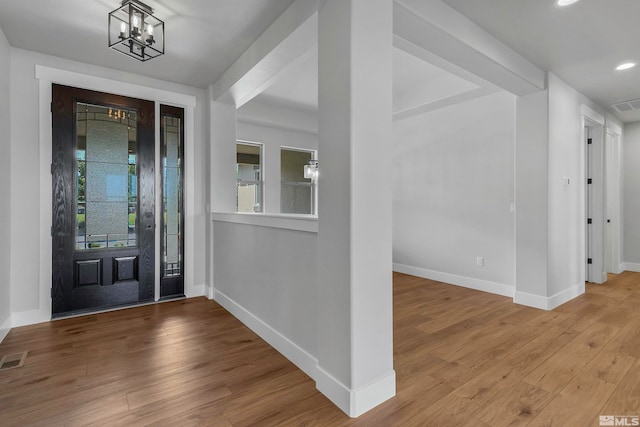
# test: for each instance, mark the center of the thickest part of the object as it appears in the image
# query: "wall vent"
(627, 106)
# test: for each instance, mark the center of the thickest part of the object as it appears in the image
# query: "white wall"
(265, 266)
(549, 151)
(566, 203)
(631, 196)
(453, 185)
(5, 186)
(26, 200)
(531, 170)
(270, 273)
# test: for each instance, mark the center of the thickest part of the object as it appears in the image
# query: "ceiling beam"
(289, 37)
(435, 27)
(445, 102)
(428, 29)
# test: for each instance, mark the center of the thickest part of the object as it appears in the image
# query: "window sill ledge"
(306, 223)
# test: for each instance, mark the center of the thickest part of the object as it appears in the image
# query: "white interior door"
(595, 204)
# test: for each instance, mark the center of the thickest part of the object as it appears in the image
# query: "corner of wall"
(196, 291)
(532, 199)
(31, 317)
(549, 303)
(5, 191)
(210, 292)
(356, 402)
(5, 327)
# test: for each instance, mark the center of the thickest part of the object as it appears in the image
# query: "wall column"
(355, 337)
(532, 199)
(222, 164)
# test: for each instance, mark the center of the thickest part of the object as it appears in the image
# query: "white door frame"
(594, 272)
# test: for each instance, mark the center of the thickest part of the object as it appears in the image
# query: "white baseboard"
(5, 327)
(565, 296)
(454, 279)
(531, 300)
(549, 303)
(24, 318)
(210, 292)
(195, 291)
(602, 279)
(356, 402)
(352, 402)
(286, 347)
(630, 266)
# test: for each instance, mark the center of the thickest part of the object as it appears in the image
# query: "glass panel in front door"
(106, 193)
(171, 153)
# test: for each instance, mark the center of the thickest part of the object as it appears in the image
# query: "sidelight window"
(172, 151)
(249, 177)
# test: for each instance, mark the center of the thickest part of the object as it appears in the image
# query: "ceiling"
(581, 43)
(416, 84)
(297, 86)
(203, 37)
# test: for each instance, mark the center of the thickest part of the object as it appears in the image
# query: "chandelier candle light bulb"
(150, 34)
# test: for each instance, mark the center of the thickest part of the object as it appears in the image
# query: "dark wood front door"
(103, 229)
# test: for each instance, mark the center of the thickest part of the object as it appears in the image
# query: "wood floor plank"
(490, 384)
(452, 410)
(627, 341)
(462, 358)
(529, 356)
(625, 400)
(443, 317)
(518, 406)
(415, 397)
(555, 372)
(578, 404)
(609, 366)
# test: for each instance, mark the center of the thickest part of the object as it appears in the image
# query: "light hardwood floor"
(462, 358)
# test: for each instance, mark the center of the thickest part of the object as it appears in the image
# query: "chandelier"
(134, 31)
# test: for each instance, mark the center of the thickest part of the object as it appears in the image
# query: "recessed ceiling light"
(625, 66)
(565, 2)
